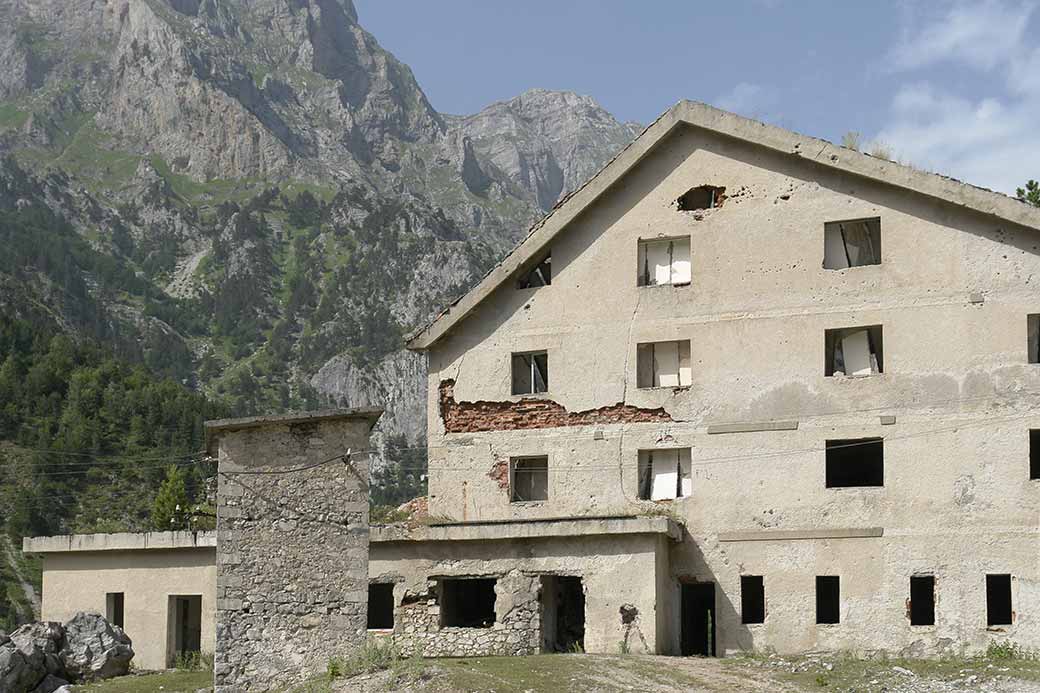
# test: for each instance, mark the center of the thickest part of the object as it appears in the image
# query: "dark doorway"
(563, 614)
(184, 639)
(698, 619)
(380, 606)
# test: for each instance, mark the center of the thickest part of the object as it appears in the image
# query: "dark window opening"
(1033, 337)
(114, 602)
(563, 614)
(998, 600)
(752, 599)
(854, 243)
(828, 599)
(664, 261)
(701, 197)
(854, 351)
(539, 275)
(922, 600)
(380, 606)
(530, 479)
(855, 462)
(530, 373)
(1034, 453)
(698, 625)
(665, 474)
(467, 602)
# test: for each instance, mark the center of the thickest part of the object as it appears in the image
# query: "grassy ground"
(167, 682)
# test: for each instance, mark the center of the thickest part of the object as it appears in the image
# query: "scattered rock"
(95, 649)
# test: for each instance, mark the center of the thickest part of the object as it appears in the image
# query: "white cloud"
(983, 35)
(989, 140)
(746, 99)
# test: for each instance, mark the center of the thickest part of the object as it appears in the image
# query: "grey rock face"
(94, 648)
(29, 656)
(50, 684)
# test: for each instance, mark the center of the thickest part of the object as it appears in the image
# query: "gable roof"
(730, 125)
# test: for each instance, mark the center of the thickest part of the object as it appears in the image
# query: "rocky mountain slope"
(264, 199)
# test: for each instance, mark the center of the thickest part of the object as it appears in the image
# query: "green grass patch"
(168, 682)
(12, 117)
(540, 673)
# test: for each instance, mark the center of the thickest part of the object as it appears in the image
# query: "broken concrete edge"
(794, 534)
(124, 541)
(506, 530)
(708, 118)
(216, 428)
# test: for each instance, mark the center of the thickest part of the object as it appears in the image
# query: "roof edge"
(215, 428)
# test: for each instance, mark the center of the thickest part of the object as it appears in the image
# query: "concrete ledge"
(753, 427)
(219, 426)
(143, 541)
(797, 534)
(504, 530)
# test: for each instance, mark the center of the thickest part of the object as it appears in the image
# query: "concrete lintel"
(530, 529)
(215, 428)
(128, 541)
(797, 534)
(753, 427)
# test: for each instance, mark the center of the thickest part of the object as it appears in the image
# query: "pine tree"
(1030, 193)
(170, 511)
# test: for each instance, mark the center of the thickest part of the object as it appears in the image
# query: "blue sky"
(947, 86)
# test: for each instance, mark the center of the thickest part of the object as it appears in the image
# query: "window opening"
(380, 605)
(998, 600)
(828, 599)
(922, 600)
(855, 462)
(663, 364)
(752, 599)
(852, 243)
(114, 608)
(664, 262)
(1033, 337)
(467, 602)
(664, 474)
(1034, 453)
(530, 479)
(539, 275)
(530, 373)
(854, 351)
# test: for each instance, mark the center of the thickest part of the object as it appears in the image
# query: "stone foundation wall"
(292, 548)
(516, 630)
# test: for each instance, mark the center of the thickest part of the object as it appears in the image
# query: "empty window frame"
(114, 608)
(1033, 337)
(539, 275)
(664, 262)
(854, 351)
(828, 599)
(998, 600)
(380, 605)
(530, 373)
(664, 474)
(922, 600)
(1034, 453)
(663, 364)
(529, 479)
(752, 599)
(855, 462)
(854, 243)
(701, 197)
(467, 602)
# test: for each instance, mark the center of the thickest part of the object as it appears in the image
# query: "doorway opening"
(698, 619)
(184, 639)
(563, 614)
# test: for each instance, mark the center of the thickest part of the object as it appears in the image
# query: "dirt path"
(27, 588)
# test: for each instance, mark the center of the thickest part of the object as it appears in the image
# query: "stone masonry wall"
(292, 550)
(516, 631)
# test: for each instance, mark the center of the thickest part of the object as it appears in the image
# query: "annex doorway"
(698, 619)
(563, 614)
(184, 637)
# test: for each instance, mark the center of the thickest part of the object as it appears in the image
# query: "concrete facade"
(954, 403)
(292, 550)
(150, 570)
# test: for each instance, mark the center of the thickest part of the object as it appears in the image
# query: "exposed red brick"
(471, 417)
(500, 473)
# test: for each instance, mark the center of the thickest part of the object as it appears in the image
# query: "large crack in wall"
(472, 417)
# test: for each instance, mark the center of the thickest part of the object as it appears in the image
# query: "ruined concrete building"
(744, 389)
